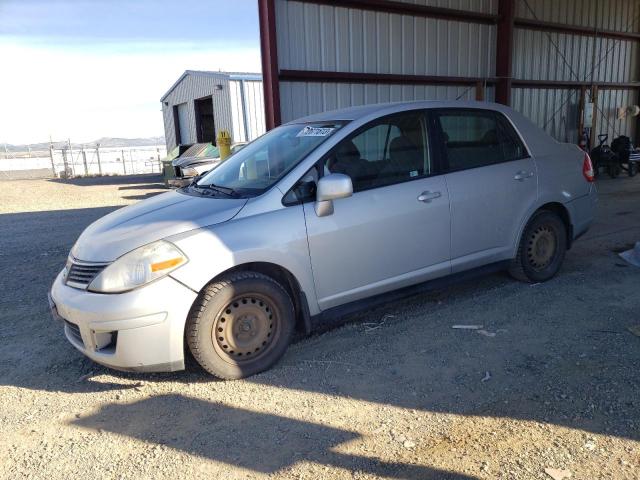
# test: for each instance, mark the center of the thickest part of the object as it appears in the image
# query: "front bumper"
(140, 330)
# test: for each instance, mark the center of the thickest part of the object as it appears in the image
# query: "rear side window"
(477, 138)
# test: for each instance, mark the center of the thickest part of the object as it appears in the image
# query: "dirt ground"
(396, 393)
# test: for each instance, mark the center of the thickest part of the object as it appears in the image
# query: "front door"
(394, 231)
(492, 184)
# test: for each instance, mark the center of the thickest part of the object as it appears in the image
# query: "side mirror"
(331, 187)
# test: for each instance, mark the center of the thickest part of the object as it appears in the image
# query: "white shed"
(200, 104)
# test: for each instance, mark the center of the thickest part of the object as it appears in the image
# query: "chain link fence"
(70, 162)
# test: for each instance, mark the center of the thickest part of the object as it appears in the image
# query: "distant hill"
(106, 142)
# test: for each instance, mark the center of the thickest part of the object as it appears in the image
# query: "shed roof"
(204, 73)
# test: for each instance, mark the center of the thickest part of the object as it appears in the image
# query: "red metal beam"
(517, 83)
(504, 50)
(378, 78)
(573, 29)
(399, 79)
(269, 51)
(403, 8)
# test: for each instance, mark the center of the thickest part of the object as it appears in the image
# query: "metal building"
(200, 104)
(548, 59)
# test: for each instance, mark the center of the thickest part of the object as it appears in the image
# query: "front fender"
(278, 237)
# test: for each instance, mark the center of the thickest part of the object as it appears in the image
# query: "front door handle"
(522, 175)
(426, 197)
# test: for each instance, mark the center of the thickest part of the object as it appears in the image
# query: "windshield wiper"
(229, 192)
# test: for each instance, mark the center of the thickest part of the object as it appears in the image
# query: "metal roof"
(204, 73)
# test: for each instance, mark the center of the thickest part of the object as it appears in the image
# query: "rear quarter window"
(477, 138)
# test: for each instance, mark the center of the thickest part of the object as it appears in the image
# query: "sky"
(85, 69)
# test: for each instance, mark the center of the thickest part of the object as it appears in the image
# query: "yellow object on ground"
(224, 144)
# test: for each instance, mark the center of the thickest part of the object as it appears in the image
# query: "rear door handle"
(426, 197)
(522, 175)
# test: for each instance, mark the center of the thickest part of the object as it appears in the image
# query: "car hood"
(158, 217)
(185, 161)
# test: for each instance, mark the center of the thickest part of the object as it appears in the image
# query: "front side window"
(391, 150)
(263, 162)
(477, 138)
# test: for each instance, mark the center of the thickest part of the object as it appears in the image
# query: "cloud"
(86, 93)
(95, 21)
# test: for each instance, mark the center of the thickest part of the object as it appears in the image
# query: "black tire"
(542, 248)
(633, 169)
(240, 325)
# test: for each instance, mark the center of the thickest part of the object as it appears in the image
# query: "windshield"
(260, 164)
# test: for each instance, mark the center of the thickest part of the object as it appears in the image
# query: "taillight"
(587, 169)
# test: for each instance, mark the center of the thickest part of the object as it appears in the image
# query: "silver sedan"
(318, 218)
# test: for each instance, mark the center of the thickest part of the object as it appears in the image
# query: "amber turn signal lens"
(156, 267)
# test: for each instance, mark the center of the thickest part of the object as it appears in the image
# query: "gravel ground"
(396, 393)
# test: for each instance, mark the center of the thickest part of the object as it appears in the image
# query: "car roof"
(355, 113)
(538, 142)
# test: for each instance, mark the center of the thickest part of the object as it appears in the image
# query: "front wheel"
(240, 325)
(542, 248)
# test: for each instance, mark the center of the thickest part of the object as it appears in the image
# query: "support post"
(73, 166)
(480, 92)
(245, 121)
(581, 107)
(65, 163)
(84, 162)
(504, 50)
(124, 166)
(270, 69)
(98, 157)
(53, 163)
(594, 118)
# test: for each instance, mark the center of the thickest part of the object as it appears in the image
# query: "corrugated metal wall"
(251, 113)
(254, 98)
(302, 98)
(572, 57)
(328, 38)
(554, 110)
(339, 39)
(604, 14)
(192, 87)
(542, 55)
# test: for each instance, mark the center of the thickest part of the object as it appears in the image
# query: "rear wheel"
(633, 169)
(240, 325)
(542, 248)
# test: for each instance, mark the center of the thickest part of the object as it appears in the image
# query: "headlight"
(67, 267)
(139, 267)
(189, 172)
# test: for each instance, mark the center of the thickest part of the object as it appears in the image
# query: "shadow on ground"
(561, 355)
(150, 179)
(261, 442)
(144, 186)
(142, 196)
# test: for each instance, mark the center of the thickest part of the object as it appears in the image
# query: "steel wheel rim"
(542, 247)
(246, 328)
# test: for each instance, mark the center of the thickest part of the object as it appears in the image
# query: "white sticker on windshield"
(315, 132)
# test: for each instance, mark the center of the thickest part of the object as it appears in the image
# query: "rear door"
(394, 230)
(492, 183)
